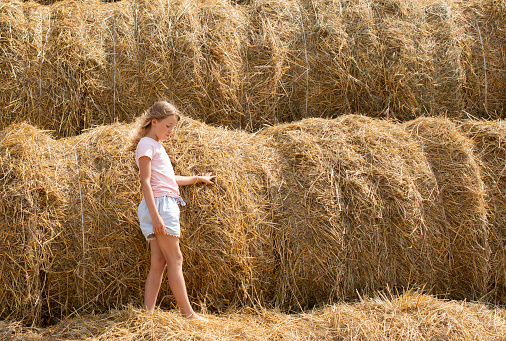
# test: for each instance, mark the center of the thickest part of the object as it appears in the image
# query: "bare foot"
(194, 317)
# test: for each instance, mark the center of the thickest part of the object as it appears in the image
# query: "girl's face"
(162, 129)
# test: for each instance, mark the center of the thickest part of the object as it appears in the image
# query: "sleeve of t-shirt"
(144, 149)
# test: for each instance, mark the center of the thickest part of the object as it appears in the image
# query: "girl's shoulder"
(149, 141)
(147, 147)
(150, 146)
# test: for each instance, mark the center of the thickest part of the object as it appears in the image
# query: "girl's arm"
(206, 178)
(147, 191)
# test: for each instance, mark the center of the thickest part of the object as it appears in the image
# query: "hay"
(75, 64)
(227, 229)
(460, 188)
(94, 256)
(30, 220)
(484, 66)
(50, 268)
(302, 214)
(410, 316)
(488, 140)
(54, 71)
(397, 59)
(360, 209)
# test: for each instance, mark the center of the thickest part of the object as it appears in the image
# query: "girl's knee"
(170, 248)
(176, 258)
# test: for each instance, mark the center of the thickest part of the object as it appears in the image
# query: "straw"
(409, 316)
(302, 214)
(75, 64)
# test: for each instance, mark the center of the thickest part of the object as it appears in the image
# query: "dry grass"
(358, 210)
(75, 64)
(488, 139)
(411, 316)
(482, 57)
(303, 214)
(460, 189)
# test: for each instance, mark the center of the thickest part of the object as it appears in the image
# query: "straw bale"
(410, 316)
(387, 58)
(108, 257)
(273, 61)
(31, 219)
(483, 57)
(227, 228)
(74, 64)
(66, 224)
(192, 51)
(462, 194)
(20, 42)
(302, 214)
(73, 68)
(359, 211)
(94, 256)
(488, 139)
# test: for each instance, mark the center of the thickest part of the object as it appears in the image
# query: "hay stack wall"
(302, 214)
(70, 236)
(488, 140)
(75, 64)
(462, 193)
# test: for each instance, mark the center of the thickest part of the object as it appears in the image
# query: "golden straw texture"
(75, 64)
(408, 317)
(302, 214)
(489, 139)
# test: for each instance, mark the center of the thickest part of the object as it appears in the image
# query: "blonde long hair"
(159, 110)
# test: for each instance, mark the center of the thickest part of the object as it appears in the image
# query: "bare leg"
(169, 247)
(154, 279)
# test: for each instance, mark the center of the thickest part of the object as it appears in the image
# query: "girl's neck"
(151, 134)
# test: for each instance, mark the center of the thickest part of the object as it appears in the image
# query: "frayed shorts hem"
(152, 236)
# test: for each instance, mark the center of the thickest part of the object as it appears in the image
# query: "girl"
(158, 211)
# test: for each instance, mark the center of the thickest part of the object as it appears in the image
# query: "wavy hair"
(159, 110)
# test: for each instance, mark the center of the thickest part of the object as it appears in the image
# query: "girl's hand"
(158, 225)
(207, 178)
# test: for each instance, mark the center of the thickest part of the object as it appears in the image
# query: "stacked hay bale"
(352, 213)
(19, 67)
(488, 139)
(460, 188)
(388, 58)
(360, 209)
(75, 64)
(193, 52)
(301, 214)
(227, 228)
(55, 71)
(482, 58)
(107, 258)
(32, 171)
(71, 231)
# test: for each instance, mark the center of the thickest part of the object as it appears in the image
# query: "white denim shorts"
(169, 211)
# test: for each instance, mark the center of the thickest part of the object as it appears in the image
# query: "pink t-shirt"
(163, 179)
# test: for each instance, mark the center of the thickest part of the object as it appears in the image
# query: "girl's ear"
(153, 122)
